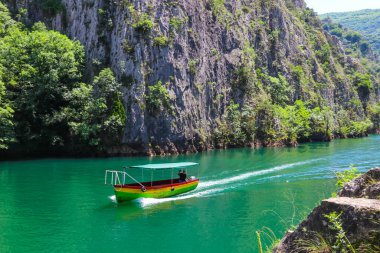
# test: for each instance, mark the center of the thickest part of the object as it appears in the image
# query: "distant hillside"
(367, 22)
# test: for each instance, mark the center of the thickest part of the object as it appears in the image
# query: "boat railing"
(118, 177)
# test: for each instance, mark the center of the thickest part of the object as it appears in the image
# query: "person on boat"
(182, 176)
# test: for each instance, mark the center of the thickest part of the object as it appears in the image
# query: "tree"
(374, 115)
(6, 122)
(44, 106)
(41, 68)
(363, 84)
(5, 19)
(322, 124)
(353, 36)
(101, 119)
(113, 121)
(157, 98)
(234, 121)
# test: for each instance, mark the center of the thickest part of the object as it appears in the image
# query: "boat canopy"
(164, 166)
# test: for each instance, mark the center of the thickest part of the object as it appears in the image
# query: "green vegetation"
(220, 11)
(175, 23)
(52, 7)
(346, 176)
(366, 22)
(161, 41)
(266, 236)
(273, 100)
(193, 66)
(355, 43)
(317, 243)
(143, 23)
(374, 115)
(275, 124)
(284, 108)
(102, 117)
(6, 120)
(43, 103)
(341, 243)
(364, 85)
(157, 99)
(335, 238)
(128, 47)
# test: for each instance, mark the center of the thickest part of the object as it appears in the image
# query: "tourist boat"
(128, 187)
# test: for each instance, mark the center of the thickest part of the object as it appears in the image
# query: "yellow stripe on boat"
(128, 193)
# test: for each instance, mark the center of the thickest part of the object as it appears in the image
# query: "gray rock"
(359, 217)
(365, 186)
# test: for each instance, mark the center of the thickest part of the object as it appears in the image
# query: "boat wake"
(144, 202)
(213, 187)
(113, 198)
(247, 175)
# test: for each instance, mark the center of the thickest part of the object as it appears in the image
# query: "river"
(62, 205)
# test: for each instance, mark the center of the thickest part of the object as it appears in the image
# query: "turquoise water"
(62, 205)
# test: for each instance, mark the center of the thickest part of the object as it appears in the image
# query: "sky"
(325, 6)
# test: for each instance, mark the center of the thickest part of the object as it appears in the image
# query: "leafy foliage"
(5, 19)
(101, 120)
(157, 98)
(364, 84)
(41, 68)
(355, 43)
(374, 115)
(143, 23)
(43, 103)
(295, 121)
(161, 41)
(365, 21)
(346, 176)
(175, 23)
(6, 120)
(341, 243)
(51, 6)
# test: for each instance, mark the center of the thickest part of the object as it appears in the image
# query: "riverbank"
(348, 223)
(139, 150)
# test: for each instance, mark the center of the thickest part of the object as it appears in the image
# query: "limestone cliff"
(206, 54)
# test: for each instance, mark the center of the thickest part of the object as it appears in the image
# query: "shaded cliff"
(204, 74)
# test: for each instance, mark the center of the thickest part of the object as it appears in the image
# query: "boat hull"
(126, 193)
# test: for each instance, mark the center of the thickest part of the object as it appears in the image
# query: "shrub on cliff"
(143, 23)
(157, 98)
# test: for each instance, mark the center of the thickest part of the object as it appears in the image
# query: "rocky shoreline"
(347, 223)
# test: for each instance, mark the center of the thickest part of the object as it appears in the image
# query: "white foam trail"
(113, 198)
(148, 201)
(144, 202)
(209, 184)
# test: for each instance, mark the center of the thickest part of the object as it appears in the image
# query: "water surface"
(62, 205)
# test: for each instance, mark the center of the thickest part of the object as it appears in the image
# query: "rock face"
(359, 215)
(199, 51)
(365, 186)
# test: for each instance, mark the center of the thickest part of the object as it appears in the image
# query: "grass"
(267, 236)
